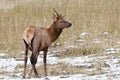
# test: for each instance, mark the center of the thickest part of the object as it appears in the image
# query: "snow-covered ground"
(102, 67)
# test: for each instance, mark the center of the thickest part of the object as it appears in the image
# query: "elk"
(39, 39)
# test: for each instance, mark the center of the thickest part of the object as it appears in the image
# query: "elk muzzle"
(69, 25)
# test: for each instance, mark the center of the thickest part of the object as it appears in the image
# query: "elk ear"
(63, 16)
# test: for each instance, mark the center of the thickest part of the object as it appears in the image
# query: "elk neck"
(54, 32)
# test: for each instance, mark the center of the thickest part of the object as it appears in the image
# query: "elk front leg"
(25, 58)
(45, 62)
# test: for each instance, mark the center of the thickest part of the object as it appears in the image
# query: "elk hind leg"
(33, 60)
(25, 58)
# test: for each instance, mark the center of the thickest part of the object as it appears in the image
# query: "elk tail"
(28, 36)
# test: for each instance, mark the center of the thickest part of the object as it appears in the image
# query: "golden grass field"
(92, 16)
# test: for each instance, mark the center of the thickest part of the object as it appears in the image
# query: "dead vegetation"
(87, 16)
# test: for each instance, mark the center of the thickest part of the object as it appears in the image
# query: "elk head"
(60, 21)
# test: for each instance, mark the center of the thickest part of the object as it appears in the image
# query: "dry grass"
(75, 52)
(92, 16)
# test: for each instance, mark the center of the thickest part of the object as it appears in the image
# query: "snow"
(77, 61)
(2, 54)
(106, 33)
(71, 47)
(108, 63)
(96, 41)
(112, 50)
(8, 64)
(84, 33)
(111, 73)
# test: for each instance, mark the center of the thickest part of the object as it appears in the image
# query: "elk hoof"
(36, 76)
(46, 78)
(23, 76)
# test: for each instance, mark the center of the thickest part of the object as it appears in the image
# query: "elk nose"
(70, 24)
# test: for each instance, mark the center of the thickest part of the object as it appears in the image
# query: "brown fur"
(39, 39)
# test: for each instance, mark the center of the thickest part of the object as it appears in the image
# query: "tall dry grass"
(94, 16)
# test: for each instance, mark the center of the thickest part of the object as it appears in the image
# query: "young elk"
(39, 39)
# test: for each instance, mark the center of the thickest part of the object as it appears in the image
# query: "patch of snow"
(58, 44)
(78, 61)
(110, 50)
(80, 40)
(96, 41)
(50, 60)
(113, 63)
(84, 33)
(2, 54)
(82, 77)
(105, 33)
(72, 77)
(8, 64)
(64, 77)
(21, 52)
(72, 46)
